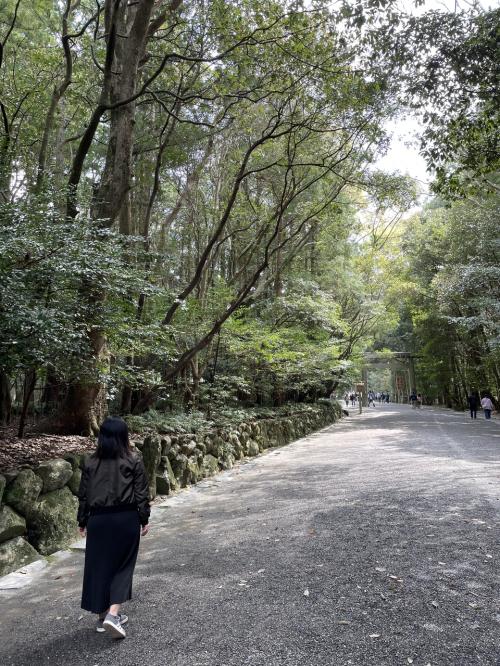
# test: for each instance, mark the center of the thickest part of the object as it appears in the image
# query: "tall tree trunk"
(85, 406)
(127, 27)
(51, 390)
(29, 387)
(5, 399)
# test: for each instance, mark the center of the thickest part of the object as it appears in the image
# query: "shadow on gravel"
(348, 552)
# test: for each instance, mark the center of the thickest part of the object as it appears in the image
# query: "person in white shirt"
(487, 406)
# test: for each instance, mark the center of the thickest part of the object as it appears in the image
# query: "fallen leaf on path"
(380, 569)
(261, 571)
(435, 604)
(443, 564)
(410, 660)
(306, 593)
(80, 617)
(374, 635)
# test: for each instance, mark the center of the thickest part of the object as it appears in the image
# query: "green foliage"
(449, 72)
(49, 267)
(449, 294)
(197, 422)
(252, 252)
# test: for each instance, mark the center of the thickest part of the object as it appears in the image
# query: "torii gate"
(402, 365)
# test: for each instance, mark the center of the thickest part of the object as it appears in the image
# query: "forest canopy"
(192, 216)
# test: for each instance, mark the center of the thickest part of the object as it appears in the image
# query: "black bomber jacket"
(110, 484)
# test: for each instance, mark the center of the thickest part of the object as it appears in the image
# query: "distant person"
(113, 512)
(346, 398)
(371, 399)
(487, 406)
(353, 399)
(413, 399)
(419, 400)
(387, 397)
(474, 401)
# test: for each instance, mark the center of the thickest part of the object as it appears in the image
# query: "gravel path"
(373, 542)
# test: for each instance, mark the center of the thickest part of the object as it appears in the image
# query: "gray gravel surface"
(373, 542)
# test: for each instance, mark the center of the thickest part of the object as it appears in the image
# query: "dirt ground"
(17, 453)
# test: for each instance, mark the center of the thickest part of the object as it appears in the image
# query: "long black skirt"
(110, 557)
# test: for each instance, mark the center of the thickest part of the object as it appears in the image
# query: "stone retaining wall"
(38, 506)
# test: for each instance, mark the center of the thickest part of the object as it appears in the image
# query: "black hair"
(113, 441)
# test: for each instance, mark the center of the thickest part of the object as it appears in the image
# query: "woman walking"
(487, 406)
(113, 512)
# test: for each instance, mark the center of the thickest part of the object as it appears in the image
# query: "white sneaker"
(113, 625)
(100, 621)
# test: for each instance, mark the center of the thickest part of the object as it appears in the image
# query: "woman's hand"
(144, 530)
(83, 531)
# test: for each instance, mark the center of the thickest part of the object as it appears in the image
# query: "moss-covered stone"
(185, 457)
(193, 472)
(166, 445)
(55, 474)
(163, 484)
(11, 524)
(227, 461)
(74, 481)
(52, 522)
(188, 448)
(236, 445)
(16, 553)
(151, 454)
(174, 484)
(23, 492)
(209, 443)
(3, 483)
(201, 446)
(252, 448)
(210, 465)
(74, 459)
(10, 475)
(179, 464)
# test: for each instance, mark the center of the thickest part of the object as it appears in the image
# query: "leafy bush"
(197, 422)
